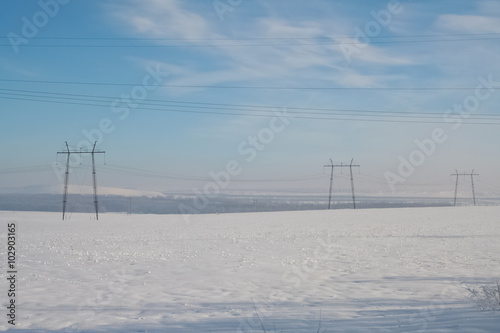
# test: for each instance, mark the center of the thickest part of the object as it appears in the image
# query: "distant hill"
(74, 189)
(171, 204)
(80, 199)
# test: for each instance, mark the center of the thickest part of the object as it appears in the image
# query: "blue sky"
(200, 49)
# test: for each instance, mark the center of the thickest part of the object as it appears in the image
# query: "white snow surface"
(373, 270)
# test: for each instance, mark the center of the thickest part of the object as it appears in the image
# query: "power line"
(267, 114)
(246, 87)
(326, 43)
(149, 173)
(25, 169)
(217, 106)
(110, 99)
(240, 107)
(154, 174)
(255, 38)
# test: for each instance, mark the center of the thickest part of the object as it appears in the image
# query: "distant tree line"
(220, 204)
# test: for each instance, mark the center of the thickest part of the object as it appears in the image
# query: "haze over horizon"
(252, 95)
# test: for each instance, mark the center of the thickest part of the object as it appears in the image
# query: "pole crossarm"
(342, 165)
(464, 174)
(81, 152)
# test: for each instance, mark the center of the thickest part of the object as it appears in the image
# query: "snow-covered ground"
(382, 270)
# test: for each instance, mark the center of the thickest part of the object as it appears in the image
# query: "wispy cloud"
(171, 19)
(162, 19)
(468, 23)
(15, 68)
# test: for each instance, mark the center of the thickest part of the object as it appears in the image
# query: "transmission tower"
(341, 165)
(472, 174)
(68, 152)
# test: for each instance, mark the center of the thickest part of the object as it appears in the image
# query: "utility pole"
(472, 174)
(95, 183)
(66, 176)
(456, 188)
(352, 185)
(331, 182)
(472, 182)
(341, 165)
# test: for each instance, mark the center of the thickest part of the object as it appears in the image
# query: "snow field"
(385, 270)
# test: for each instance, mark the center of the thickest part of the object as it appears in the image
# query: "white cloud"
(491, 8)
(375, 55)
(162, 19)
(351, 78)
(170, 19)
(13, 67)
(279, 28)
(468, 23)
